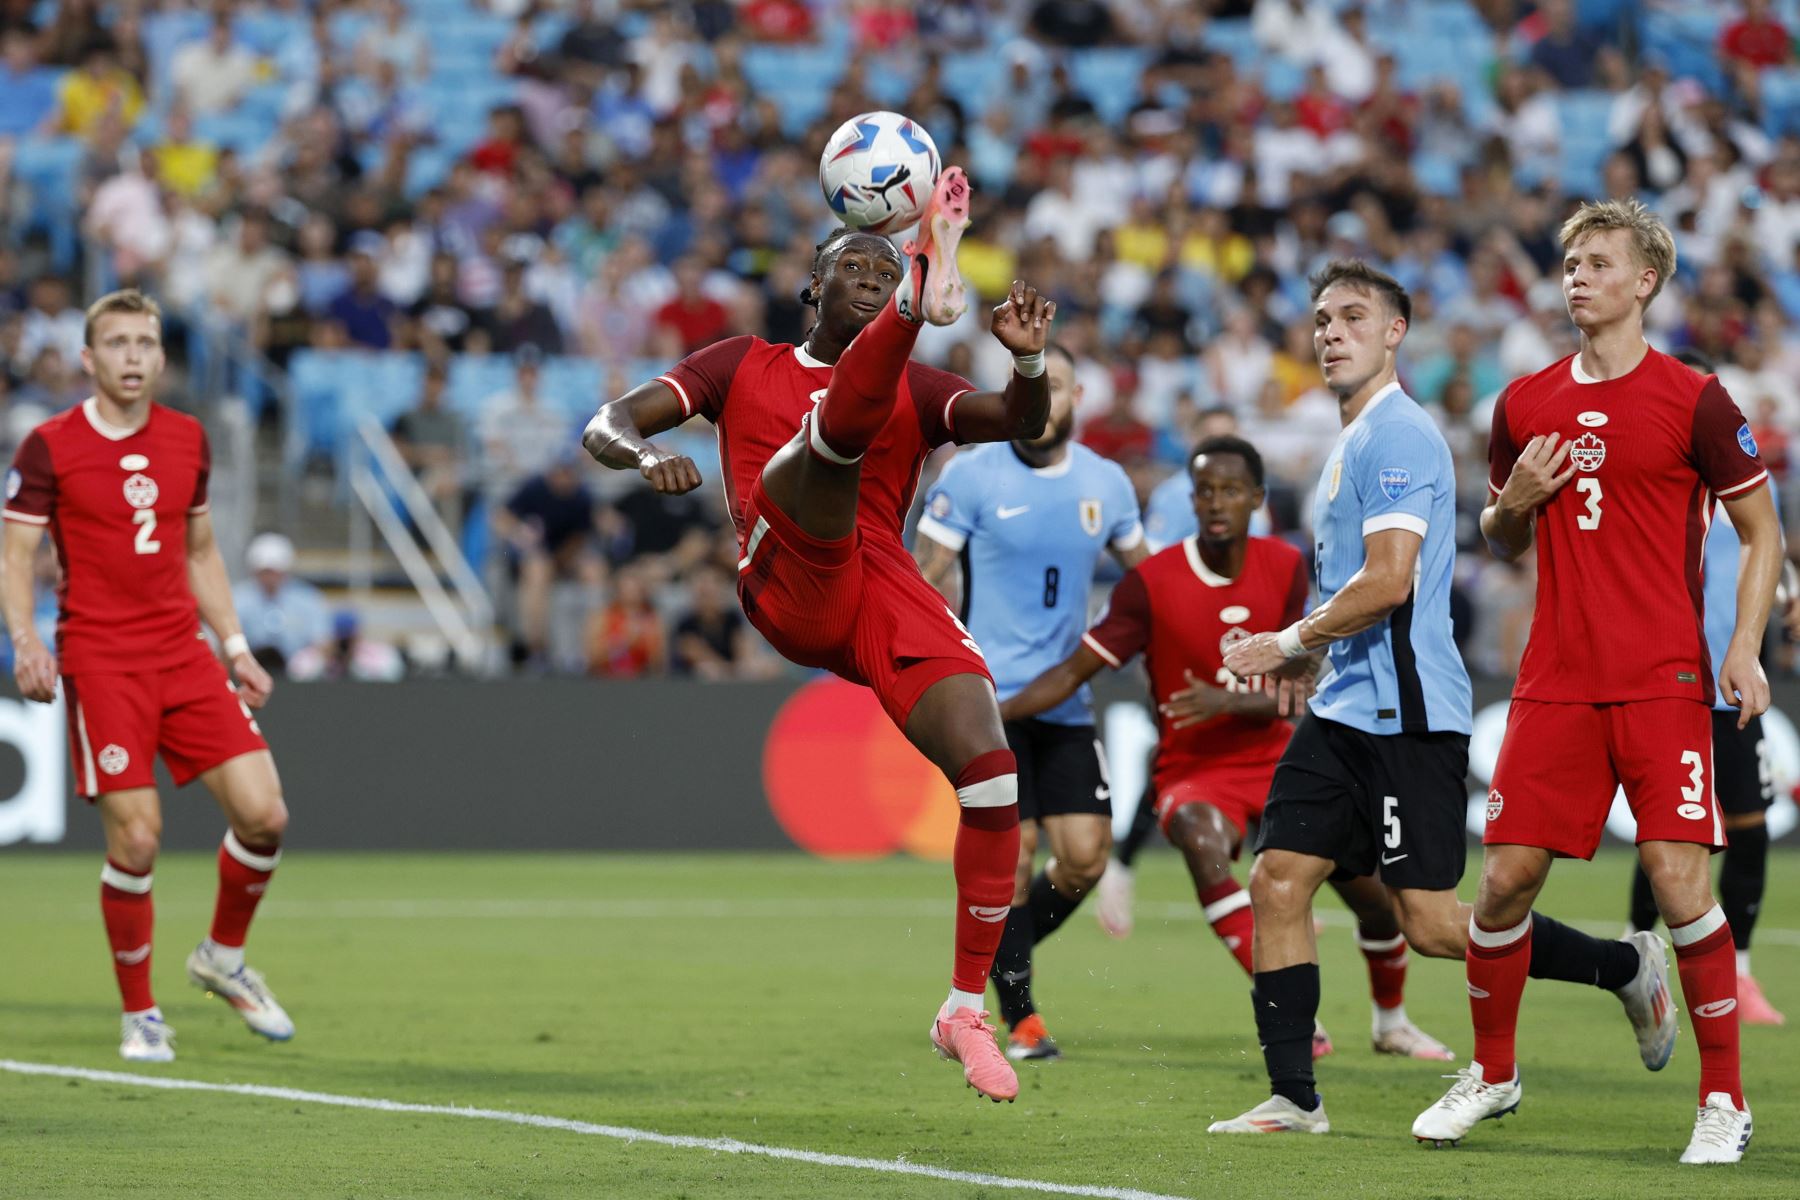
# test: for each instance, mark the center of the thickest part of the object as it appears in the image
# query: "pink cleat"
(1321, 1045)
(1753, 1007)
(964, 1036)
(933, 291)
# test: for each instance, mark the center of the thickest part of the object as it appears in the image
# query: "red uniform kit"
(1616, 683)
(1183, 618)
(856, 606)
(138, 676)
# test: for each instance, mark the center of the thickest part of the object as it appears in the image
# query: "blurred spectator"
(247, 279)
(776, 21)
(712, 640)
(213, 74)
(346, 654)
(1756, 40)
(1564, 50)
(281, 615)
(54, 383)
(1118, 434)
(27, 90)
(434, 441)
(98, 89)
(547, 526)
(625, 639)
(51, 322)
(394, 39)
(520, 434)
(367, 317)
(441, 322)
(691, 319)
(1072, 22)
(183, 163)
(516, 320)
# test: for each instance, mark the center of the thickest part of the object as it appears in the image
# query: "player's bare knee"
(134, 846)
(1276, 891)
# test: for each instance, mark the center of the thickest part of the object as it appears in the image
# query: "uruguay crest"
(1090, 517)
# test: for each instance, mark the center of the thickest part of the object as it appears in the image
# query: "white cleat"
(1470, 1101)
(1721, 1132)
(1113, 906)
(1277, 1114)
(1648, 1004)
(244, 990)
(1409, 1041)
(144, 1038)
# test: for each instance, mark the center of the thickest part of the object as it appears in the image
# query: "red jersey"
(1182, 617)
(756, 394)
(1619, 613)
(117, 504)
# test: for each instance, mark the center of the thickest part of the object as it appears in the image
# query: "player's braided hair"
(821, 253)
(1226, 443)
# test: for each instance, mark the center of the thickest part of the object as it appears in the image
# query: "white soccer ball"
(878, 170)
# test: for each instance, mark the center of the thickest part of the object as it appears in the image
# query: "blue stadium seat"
(166, 32)
(573, 385)
(1781, 101)
(1233, 36)
(50, 169)
(317, 380)
(1584, 113)
(970, 79)
(1109, 78)
(267, 32)
(476, 377)
(241, 130)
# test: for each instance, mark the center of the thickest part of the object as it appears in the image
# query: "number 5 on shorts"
(1390, 822)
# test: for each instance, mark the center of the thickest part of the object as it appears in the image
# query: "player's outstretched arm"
(1510, 519)
(1053, 686)
(1202, 701)
(212, 591)
(1021, 323)
(1741, 678)
(1377, 589)
(616, 438)
(34, 666)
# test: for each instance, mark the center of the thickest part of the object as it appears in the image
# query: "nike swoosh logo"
(132, 958)
(1478, 993)
(1007, 514)
(1717, 1008)
(1385, 859)
(990, 915)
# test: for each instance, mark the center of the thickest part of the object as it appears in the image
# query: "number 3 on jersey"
(1589, 487)
(145, 520)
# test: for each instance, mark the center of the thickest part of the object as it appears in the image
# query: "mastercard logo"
(844, 783)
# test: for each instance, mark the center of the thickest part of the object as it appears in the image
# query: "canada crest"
(1233, 636)
(1090, 517)
(141, 491)
(1496, 802)
(1587, 452)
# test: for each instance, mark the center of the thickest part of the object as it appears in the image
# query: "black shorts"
(1392, 804)
(1060, 769)
(1741, 777)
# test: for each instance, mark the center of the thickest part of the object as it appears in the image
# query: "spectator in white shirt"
(212, 75)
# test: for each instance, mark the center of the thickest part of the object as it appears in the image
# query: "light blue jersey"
(1719, 591)
(1169, 513)
(1030, 539)
(1391, 469)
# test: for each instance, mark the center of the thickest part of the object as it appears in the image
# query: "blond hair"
(1652, 245)
(127, 300)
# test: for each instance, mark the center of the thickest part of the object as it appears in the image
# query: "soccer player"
(1220, 736)
(1610, 460)
(1027, 521)
(1374, 776)
(120, 483)
(824, 575)
(1741, 773)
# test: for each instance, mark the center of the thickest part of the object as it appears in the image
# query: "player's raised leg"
(1079, 842)
(1383, 946)
(249, 791)
(956, 724)
(1743, 874)
(132, 820)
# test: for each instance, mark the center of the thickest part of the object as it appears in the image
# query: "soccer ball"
(877, 171)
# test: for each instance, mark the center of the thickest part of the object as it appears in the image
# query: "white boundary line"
(621, 1133)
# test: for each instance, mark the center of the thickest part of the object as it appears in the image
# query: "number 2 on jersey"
(1589, 487)
(145, 520)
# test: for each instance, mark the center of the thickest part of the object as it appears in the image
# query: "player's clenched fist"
(34, 670)
(1021, 322)
(254, 683)
(1541, 471)
(669, 474)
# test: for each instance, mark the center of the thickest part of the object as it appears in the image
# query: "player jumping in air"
(1028, 522)
(1374, 776)
(1741, 773)
(1219, 736)
(823, 573)
(1610, 460)
(120, 483)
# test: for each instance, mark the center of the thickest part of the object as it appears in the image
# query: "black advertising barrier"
(560, 764)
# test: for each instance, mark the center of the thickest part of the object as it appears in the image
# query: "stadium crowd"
(521, 183)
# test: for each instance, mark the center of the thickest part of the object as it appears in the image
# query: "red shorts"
(118, 723)
(1561, 764)
(1237, 786)
(854, 607)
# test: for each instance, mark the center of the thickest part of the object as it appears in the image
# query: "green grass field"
(783, 1001)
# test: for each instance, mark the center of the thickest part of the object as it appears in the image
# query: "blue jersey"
(1030, 539)
(1169, 513)
(1391, 469)
(1719, 592)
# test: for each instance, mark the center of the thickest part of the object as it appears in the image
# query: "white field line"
(621, 1133)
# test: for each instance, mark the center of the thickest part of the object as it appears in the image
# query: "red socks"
(1227, 909)
(1387, 969)
(243, 877)
(126, 908)
(864, 384)
(1708, 965)
(1496, 963)
(985, 858)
